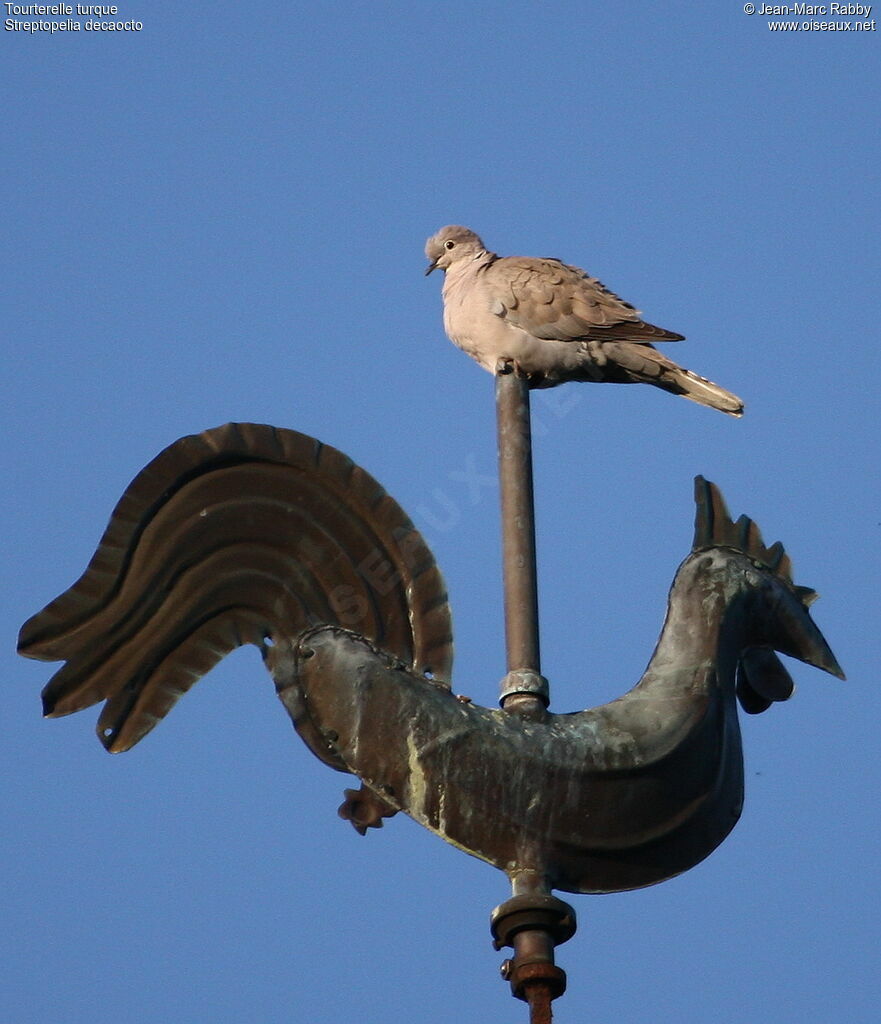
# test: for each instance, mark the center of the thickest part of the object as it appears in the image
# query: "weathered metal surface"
(612, 798)
(241, 534)
(249, 534)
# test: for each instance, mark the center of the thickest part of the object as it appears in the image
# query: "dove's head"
(451, 244)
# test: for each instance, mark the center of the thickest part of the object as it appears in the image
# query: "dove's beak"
(431, 266)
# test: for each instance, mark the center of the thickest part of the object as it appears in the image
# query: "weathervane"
(252, 534)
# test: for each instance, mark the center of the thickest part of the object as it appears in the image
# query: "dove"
(555, 322)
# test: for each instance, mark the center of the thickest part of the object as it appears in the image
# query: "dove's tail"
(642, 363)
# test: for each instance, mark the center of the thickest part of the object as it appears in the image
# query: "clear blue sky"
(221, 217)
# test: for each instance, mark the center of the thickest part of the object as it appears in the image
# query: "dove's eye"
(449, 244)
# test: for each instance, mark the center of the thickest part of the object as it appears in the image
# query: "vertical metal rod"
(523, 681)
(518, 522)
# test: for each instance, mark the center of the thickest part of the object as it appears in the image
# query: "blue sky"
(221, 217)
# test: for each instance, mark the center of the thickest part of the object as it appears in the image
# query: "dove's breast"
(474, 319)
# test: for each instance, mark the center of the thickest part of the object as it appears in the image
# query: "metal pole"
(523, 689)
(533, 921)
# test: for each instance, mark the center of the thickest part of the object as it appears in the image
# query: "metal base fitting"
(525, 693)
(526, 682)
(533, 925)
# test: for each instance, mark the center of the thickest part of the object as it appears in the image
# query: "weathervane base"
(533, 924)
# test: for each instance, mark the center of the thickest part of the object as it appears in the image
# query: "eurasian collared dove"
(555, 322)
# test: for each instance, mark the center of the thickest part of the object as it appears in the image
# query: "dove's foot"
(507, 365)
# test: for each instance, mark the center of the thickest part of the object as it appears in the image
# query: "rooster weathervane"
(251, 534)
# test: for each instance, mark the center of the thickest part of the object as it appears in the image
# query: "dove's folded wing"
(557, 302)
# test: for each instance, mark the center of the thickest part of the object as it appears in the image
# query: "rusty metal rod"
(523, 684)
(533, 924)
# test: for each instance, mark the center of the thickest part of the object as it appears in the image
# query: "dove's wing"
(556, 302)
